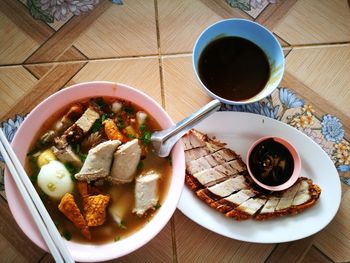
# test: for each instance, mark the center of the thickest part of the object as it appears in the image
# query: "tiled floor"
(147, 44)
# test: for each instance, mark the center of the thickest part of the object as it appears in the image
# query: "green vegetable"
(120, 124)
(170, 160)
(146, 138)
(81, 155)
(157, 206)
(97, 126)
(117, 238)
(72, 170)
(67, 235)
(131, 136)
(100, 102)
(128, 110)
(122, 224)
(140, 165)
(142, 127)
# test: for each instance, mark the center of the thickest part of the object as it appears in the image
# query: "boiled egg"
(55, 180)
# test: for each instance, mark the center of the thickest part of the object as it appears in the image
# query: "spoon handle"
(163, 141)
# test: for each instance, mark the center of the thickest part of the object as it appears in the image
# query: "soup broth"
(121, 195)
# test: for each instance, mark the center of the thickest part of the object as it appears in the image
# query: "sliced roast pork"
(219, 177)
(126, 159)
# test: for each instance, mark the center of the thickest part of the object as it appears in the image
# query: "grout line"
(63, 86)
(262, 11)
(43, 257)
(323, 254)
(81, 60)
(288, 52)
(3, 197)
(272, 251)
(303, 46)
(319, 45)
(288, 44)
(24, 66)
(173, 239)
(81, 53)
(160, 62)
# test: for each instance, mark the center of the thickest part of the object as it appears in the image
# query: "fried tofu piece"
(70, 209)
(95, 209)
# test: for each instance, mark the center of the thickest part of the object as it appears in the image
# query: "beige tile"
(9, 253)
(183, 94)
(325, 71)
(159, 249)
(15, 246)
(314, 255)
(15, 82)
(123, 30)
(140, 73)
(290, 251)
(320, 21)
(334, 240)
(181, 22)
(15, 45)
(197, 244)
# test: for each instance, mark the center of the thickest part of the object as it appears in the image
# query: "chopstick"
(34, 204)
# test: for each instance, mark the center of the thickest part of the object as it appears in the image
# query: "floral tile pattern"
(283, 105)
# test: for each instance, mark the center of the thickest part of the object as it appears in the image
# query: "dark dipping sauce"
(271, 163)
(234, 68)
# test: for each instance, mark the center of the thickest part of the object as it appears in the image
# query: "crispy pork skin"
(219, 177)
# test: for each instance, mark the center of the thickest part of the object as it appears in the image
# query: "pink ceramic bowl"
(296, 169)
(31, 125)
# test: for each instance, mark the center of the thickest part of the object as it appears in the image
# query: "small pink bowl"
(296, 158)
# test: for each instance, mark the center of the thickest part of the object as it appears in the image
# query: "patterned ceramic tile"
(251, 7)
(319, 21)
(124, 30)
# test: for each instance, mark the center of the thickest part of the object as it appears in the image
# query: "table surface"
(147, 44)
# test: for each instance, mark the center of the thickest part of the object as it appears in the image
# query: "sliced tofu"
(146, 192)
(126, 159)
(86, 121)
(98, 161)
(120, 207)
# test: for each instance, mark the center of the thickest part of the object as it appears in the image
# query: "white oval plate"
(239, 130)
